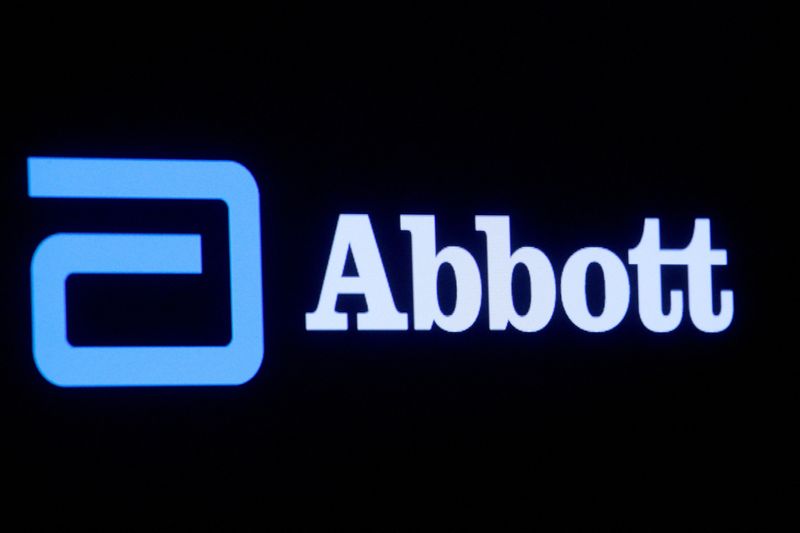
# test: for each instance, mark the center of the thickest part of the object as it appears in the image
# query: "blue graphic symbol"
(62, 254)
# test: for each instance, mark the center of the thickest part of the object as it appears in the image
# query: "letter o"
(573, 289)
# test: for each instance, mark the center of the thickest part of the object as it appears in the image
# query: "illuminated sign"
(354, 235)
(64, 254)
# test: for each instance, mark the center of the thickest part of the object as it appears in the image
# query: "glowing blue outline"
(63, 254)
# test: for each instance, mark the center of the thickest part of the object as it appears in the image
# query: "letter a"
(354, 233)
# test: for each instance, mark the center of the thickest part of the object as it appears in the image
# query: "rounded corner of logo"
(242, 175)
(53, 378)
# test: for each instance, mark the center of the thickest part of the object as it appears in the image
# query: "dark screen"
(576, 124)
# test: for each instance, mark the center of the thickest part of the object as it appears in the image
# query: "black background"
(578, 123)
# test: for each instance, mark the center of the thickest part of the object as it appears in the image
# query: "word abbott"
(354, 235)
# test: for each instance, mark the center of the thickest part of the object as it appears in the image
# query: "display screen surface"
(450, 263)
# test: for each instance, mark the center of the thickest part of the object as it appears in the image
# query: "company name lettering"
(354, 235)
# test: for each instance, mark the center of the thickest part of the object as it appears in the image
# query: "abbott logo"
(62, 254)
(354, 236)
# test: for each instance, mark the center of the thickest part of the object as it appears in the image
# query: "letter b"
(501, 264)
(426, 263)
